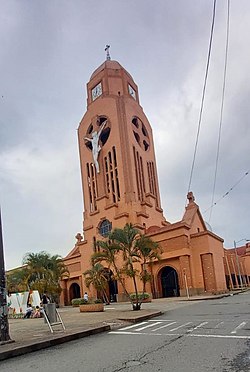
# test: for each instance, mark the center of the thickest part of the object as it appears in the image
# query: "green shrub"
(83, 301)
(75, 301)
(141, 296)
(98, 301)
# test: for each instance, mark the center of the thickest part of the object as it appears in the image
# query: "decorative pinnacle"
(107, 51)
(190, 197)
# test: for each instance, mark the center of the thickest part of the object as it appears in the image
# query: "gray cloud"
(48, 51)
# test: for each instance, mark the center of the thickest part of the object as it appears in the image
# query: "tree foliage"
(16, 280)
(149, 251)
(135, 249)
(97, 276)
(41, 271)
(45, 272)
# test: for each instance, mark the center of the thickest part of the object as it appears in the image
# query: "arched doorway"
(112, 289)
(74, 291)
(168, 278)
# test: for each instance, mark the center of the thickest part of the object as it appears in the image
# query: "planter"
(146, 300)
(91, 308)
(147, 297)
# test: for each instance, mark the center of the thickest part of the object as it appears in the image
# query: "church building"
(120, 185)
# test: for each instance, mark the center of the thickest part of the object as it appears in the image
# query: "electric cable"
(221, 110)
(226, 194)
(203, 95)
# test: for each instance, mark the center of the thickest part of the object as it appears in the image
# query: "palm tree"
(17, 280)
(135, 248)
(45, 272)
(97, 277)
(149, 251)
(126, 241)
(109, 253)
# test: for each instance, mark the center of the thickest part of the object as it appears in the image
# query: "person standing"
(45, 299)
(85, 296)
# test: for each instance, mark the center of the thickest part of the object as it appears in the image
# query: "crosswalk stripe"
(217, 325)
(164, 326)
(163, 323)
(132, 326)
(163, 320)
(241, 325)
(148, 326)
(183, 325)
(198, 326)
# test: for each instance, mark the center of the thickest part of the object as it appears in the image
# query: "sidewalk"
(34, 334)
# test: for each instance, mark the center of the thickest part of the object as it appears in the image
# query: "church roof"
(109, 64)
(191, 210)
(241, 251)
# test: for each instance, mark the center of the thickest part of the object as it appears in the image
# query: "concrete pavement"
(34, 334)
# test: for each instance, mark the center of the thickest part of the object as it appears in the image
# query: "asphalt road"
(212, 335)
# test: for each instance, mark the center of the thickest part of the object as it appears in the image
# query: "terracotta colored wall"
(187, 247)
(203, 244)
(208, 272)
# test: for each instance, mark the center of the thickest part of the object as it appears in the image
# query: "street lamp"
(237, 258)
(4, 325)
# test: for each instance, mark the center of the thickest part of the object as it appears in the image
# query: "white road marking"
(109, 308)
(141, 333)
(164, 326)
(154, 323)
(217, 325)
(183, 325)
(177, 334)
(241, 325)
(162, 320)
(220, 336)
(198, 326)
(133, 326)
(148, 326)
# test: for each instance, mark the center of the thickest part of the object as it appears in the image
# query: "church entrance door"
(169, 282)
(112, 289)
(74, 291)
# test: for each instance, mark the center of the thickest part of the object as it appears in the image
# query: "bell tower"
(120, 185)
(118, 167)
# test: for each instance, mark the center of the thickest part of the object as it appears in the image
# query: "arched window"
(105, 228)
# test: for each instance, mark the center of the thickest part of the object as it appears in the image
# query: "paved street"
(223, 320)
(210, 335)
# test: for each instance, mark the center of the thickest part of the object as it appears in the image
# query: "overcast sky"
(48, 50)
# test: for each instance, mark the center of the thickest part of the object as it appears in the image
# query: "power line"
(203, 95)
(221, 111)
(226, 194)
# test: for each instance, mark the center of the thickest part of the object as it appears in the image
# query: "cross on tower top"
(107, 51)
(190, 197)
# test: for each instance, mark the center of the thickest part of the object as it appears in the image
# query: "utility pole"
(4, 325)
(237, 259)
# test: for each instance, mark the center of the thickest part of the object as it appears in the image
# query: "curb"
(57, 340)
(217, 297)
(140, 318)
